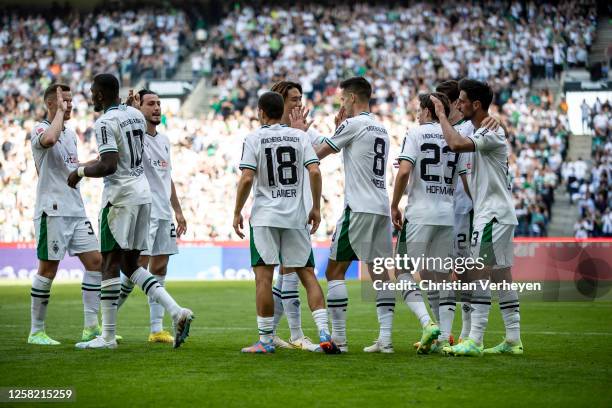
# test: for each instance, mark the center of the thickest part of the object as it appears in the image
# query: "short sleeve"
(310, 156)
(344, 135)
(105, 137)
(487, 140)
(249, 157)
(36, 135)
(410, 150)
(315, 137)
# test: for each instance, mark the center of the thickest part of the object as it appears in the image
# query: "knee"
(48, 269)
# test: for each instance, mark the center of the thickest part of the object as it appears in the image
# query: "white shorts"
(361, 236)
(162, 238)
(55, 235)
(434, 243)
(493, 243)
(124, 227)
(462, 232)
(275, 246)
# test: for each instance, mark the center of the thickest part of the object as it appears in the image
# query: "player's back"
(121, 129)
(434, 176)
(463, 202)
(365, 145)
(278, 154)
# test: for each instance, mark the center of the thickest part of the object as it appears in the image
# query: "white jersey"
(122, 129)
(53, 165)
(489, 180)
(277, 154)
(434, 175)
(365, 145)
(158, 168)
(463, 202)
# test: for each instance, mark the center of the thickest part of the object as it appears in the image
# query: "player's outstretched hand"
(439, 107)
(133, 99)
(314, 219)
(491, 123)
(181, 224)
(397, 218)
(340, 117)
(298, 118)
(73, 179)
(62, 105)
(238, 225)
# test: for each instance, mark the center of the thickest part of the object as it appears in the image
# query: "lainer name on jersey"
(284, 193)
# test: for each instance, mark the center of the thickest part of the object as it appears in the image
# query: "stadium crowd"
(403, 50)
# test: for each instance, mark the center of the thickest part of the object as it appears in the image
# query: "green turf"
(568, 360)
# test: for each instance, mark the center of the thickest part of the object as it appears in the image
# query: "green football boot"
(467, 348)
(90, 333)
(40, 338)
(514, 349)
(430, 333)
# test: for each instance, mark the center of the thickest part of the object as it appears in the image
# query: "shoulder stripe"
(473, 141)
(247, 166)
(408, 158)
(110, 149)
(331, 144)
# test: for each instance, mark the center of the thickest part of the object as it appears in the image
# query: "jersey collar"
(365, 113)
(110, 108)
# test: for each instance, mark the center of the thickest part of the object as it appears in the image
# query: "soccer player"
(272, 158)
(462, 228)
(60, 221)
(428, 174)
(494, 218)
(126, 211)
(363, 232)
(163, 233)
(285, 289)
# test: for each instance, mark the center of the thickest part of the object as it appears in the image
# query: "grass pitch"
(567, 361)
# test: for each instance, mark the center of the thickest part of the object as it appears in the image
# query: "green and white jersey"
(122, 129)
(463, 202)
(365, 145)
(489, 179)
(278, 154)
(157, 168)
(433, 178)
(53, 165)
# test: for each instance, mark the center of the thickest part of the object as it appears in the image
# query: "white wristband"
(81, 172)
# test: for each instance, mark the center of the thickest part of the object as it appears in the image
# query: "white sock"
(320, 319)
(466, 312)
(337, 303)
(414, 300)
(509, 307)
(265, 326)
(157, 310)
(481, 304)
(126, 288)
(433, 297)
(385, 307)
(291, 305)
(447, 313)
(157, 292)
(278, 300)
(40, 293)
(109, 295)
(91, 297)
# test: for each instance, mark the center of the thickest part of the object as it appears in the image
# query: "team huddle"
(135, 225)
(453, 168)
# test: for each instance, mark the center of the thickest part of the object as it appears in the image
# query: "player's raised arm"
(455, 141)
(314, 173)
(58, 103)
